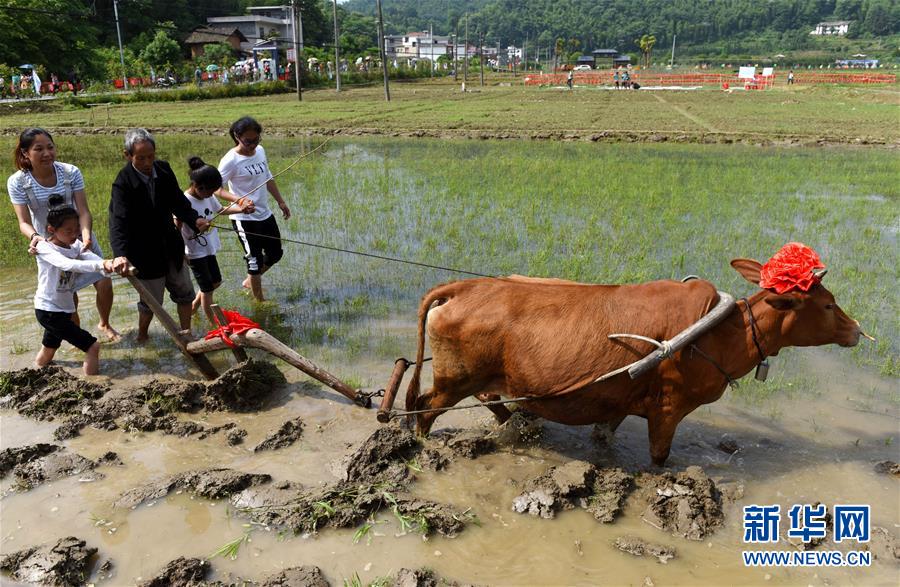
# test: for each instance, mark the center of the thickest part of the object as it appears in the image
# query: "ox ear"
(748, 268)
(784, 302)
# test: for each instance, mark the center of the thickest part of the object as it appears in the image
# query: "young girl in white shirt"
(59, 257)
(201, 249)
(245, 168)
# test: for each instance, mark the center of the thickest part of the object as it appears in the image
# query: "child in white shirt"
(58, 258)
(201, 249)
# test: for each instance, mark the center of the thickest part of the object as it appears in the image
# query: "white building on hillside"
(837, 27)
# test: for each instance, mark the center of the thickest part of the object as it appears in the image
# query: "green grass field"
(807, 114)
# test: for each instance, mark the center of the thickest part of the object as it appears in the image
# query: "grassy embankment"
(596, 213)
(803, 113)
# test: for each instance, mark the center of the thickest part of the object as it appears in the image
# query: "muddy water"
(813, 433)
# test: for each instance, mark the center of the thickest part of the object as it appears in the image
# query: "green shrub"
(185, 93)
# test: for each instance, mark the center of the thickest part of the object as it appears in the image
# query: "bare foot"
(111, 333)
(246, 283)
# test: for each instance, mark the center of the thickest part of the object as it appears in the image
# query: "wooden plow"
(195, 350)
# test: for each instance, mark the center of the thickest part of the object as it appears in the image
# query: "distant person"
(570, 79)
(791, 77)
(626, 79)
(268, 70)
(245, 169)
(198, 76)
(616, 78)
(73, 81)
(39, 177)
(59, 259)
(145, 196)
(201, 250)
(54, 83)
(16, 81)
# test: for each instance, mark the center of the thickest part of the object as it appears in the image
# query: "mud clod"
(382, 457)
(235, 436)
(522, 429)
(209, 483)
(415, 578)
(639, 547)
(728, 444)
(59, 464)
(575, 484)
(243, 388)
(47, 393)
(305, 576)
(687, 504)
(286, 435)
(471, 444)
(10, 457)
(883, 545)
(181, 571)
(888, 468)
(610, 490)
(63, 563)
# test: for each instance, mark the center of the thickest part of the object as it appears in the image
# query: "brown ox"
(546, 338)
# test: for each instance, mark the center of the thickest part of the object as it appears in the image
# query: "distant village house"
(837, 27)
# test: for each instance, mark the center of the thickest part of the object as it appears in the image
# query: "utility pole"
(672, 61)
(297, 71)
(456, 52)
(466, 53)
(431, 49)
(337, 53)
(481, 55)
(384, 67)
(121, 52)
(525, 55)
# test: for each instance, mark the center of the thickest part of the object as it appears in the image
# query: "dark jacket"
(141, 228)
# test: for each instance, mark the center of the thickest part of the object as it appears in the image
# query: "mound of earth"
(575, 484)
(687, 504)
(58, 464)
(65, 562)
(47, 393)
(421, 578)
(375, 476)
(522, 429)
(181, 571)
(10, 457)
(888, 468)
(305, 576)
(286, 435)
(640, 547)
(243, 388)
(466, 443)
(209, 483)
(50, 393)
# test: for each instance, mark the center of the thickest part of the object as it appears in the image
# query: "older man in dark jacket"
(145, 195)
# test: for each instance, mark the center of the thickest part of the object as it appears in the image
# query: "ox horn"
(820, 273)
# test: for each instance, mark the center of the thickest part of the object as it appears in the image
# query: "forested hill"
(709, 26)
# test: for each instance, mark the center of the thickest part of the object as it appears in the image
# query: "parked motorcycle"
(166, 82)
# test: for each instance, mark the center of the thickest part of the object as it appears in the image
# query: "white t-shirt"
(194, 247)
(56, 279)
(242, 174)
(18, 196)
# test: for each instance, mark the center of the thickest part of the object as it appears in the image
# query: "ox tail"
(412, 392)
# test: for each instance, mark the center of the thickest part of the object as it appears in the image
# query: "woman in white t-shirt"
(246, 171)
(201, 249)
(38, 177)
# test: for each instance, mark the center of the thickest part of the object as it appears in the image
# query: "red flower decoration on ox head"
(791, 268)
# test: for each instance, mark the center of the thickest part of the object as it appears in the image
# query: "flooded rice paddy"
(602, 213)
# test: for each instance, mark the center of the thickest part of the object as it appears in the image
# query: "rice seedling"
(232, 548)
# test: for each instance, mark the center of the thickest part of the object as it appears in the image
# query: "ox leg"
(604, 432)
(501, 413)
(661, 428)
(436, 399)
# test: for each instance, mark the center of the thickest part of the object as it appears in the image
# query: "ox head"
(812, 317)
